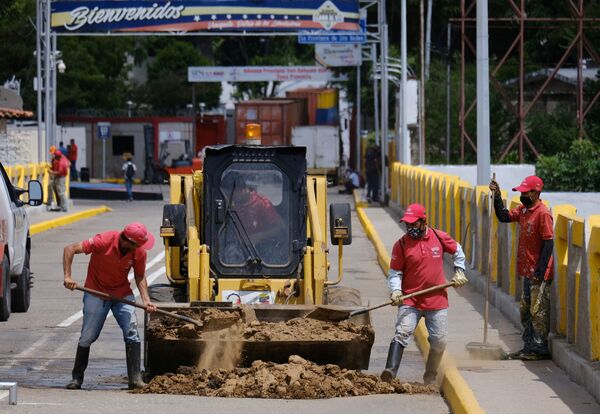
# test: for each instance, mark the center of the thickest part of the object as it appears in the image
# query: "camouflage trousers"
(535, 315)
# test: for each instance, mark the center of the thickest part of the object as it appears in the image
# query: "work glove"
(396, 297)
(459, 278)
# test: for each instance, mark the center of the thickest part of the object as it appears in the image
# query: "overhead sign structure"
(259, 73)
(331, 37)
(336, 54)
(105, 16)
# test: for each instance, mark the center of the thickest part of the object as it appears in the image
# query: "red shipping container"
(276, 117)
(311, 95)
(210, 130)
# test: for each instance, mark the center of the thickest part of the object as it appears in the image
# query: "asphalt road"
(37, 348)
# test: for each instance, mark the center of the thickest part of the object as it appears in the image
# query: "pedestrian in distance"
(373, 172)
(351, 181)
(62, 148)
(72, 155)
(113, 254)
(129, 170)
(59, 170)
(417, 264)
(534, 264)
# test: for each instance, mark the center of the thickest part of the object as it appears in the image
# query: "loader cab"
(255, 210)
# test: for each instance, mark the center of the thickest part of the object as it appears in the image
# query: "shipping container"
(314, 97)
(322, 148)
(210, 130)
(276, 117)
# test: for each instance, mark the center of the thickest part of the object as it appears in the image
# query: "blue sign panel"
(103, 130)
(326, 37)
(103, 16)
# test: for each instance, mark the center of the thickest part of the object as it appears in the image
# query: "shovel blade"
(328, 314)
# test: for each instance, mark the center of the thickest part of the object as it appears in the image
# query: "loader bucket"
(347, 344)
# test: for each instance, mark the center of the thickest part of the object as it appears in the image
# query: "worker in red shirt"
(72, 155)
(58, 179)
(113, 254)
(417, 264)
(534, 264)
(258, 218)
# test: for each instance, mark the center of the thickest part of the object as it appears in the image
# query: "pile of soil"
(298, 379)
(251, 329)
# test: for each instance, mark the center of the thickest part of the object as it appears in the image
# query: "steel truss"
(521, 19)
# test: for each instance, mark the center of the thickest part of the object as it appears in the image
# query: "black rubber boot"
(431, 367)
(133, 352)
(81, 363)
(393, 361)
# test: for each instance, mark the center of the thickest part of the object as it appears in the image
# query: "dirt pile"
(298, 379)
(251, 329)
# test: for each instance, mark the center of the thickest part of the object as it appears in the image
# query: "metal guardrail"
(463, 211)
(20, 175)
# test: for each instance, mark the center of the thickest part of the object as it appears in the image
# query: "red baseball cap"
(57, 153)
(137, 232)
(530, 183)
(413, 213)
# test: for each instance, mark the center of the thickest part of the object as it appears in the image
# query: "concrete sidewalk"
(498, 386)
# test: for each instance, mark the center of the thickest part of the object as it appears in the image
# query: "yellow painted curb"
(456, 390)
(65, 220)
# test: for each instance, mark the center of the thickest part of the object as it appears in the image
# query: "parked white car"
(15, 245)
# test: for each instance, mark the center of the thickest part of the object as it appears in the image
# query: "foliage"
(578, 169)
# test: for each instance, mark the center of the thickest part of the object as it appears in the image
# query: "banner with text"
(259, 73)
(180, 16)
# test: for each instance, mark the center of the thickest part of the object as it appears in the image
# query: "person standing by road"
(373, 171)
(534, 264)
(113, 254)
(417, 264)
(58, 180)
(72, 155)
(129, 169)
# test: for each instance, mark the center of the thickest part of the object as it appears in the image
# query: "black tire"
(342, 296)
(175, 214)
(21, 296)
(166, 293)
(6, 296)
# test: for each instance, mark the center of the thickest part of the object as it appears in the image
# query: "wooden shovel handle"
(137, 305)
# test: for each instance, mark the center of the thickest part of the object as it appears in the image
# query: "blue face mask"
(415, 232)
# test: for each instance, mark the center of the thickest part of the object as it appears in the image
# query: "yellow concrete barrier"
(593, 258)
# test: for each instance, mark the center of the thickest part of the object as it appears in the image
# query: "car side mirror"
(36, 195)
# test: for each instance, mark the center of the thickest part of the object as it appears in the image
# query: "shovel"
(139, 305)
(336, 315)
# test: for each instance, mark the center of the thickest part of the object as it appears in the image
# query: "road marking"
(76, 316)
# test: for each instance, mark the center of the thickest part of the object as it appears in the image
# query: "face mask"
(527, 202)
(414, 232)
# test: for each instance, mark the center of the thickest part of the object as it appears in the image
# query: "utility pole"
(357, 117)
(483, 95)
(428, 39)
(422, 86)
(448, 90)
(403, 82)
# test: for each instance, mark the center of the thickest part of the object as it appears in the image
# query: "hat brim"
(522, 189)
(149, 243)
(409, 219)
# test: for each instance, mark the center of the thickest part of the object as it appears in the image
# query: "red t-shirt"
(108, 269)
(257, 214)
(422, 264)
(536, 224)
(60, 165)
(73, 152)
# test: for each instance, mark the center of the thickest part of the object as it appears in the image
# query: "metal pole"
(47, 76)
(357, 116)
(422, 85)
(376, 93)
(483, 95)
(103, 157)
(404, 97)
(38, 62)
(53, 89)
(428, 39)
(448, 91)
(384, 112)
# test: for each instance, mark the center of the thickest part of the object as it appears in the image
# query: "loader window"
(256, 227)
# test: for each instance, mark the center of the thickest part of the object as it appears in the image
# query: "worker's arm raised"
(69, 252)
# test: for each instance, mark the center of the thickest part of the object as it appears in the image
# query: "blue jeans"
(95, 311)
(129, 188)
(74, 170)
(436, 322)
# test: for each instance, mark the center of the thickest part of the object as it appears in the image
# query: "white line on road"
(76, 316)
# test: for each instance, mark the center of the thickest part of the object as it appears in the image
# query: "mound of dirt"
(251, 329)
(298, 379)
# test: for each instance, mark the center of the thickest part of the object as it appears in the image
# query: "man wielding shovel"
(417, 264)
(113, 254)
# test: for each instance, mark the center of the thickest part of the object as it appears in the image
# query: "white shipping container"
(322, 144)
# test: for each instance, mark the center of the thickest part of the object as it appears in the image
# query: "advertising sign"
(180, 16)
(259, 73)
(335, 55)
